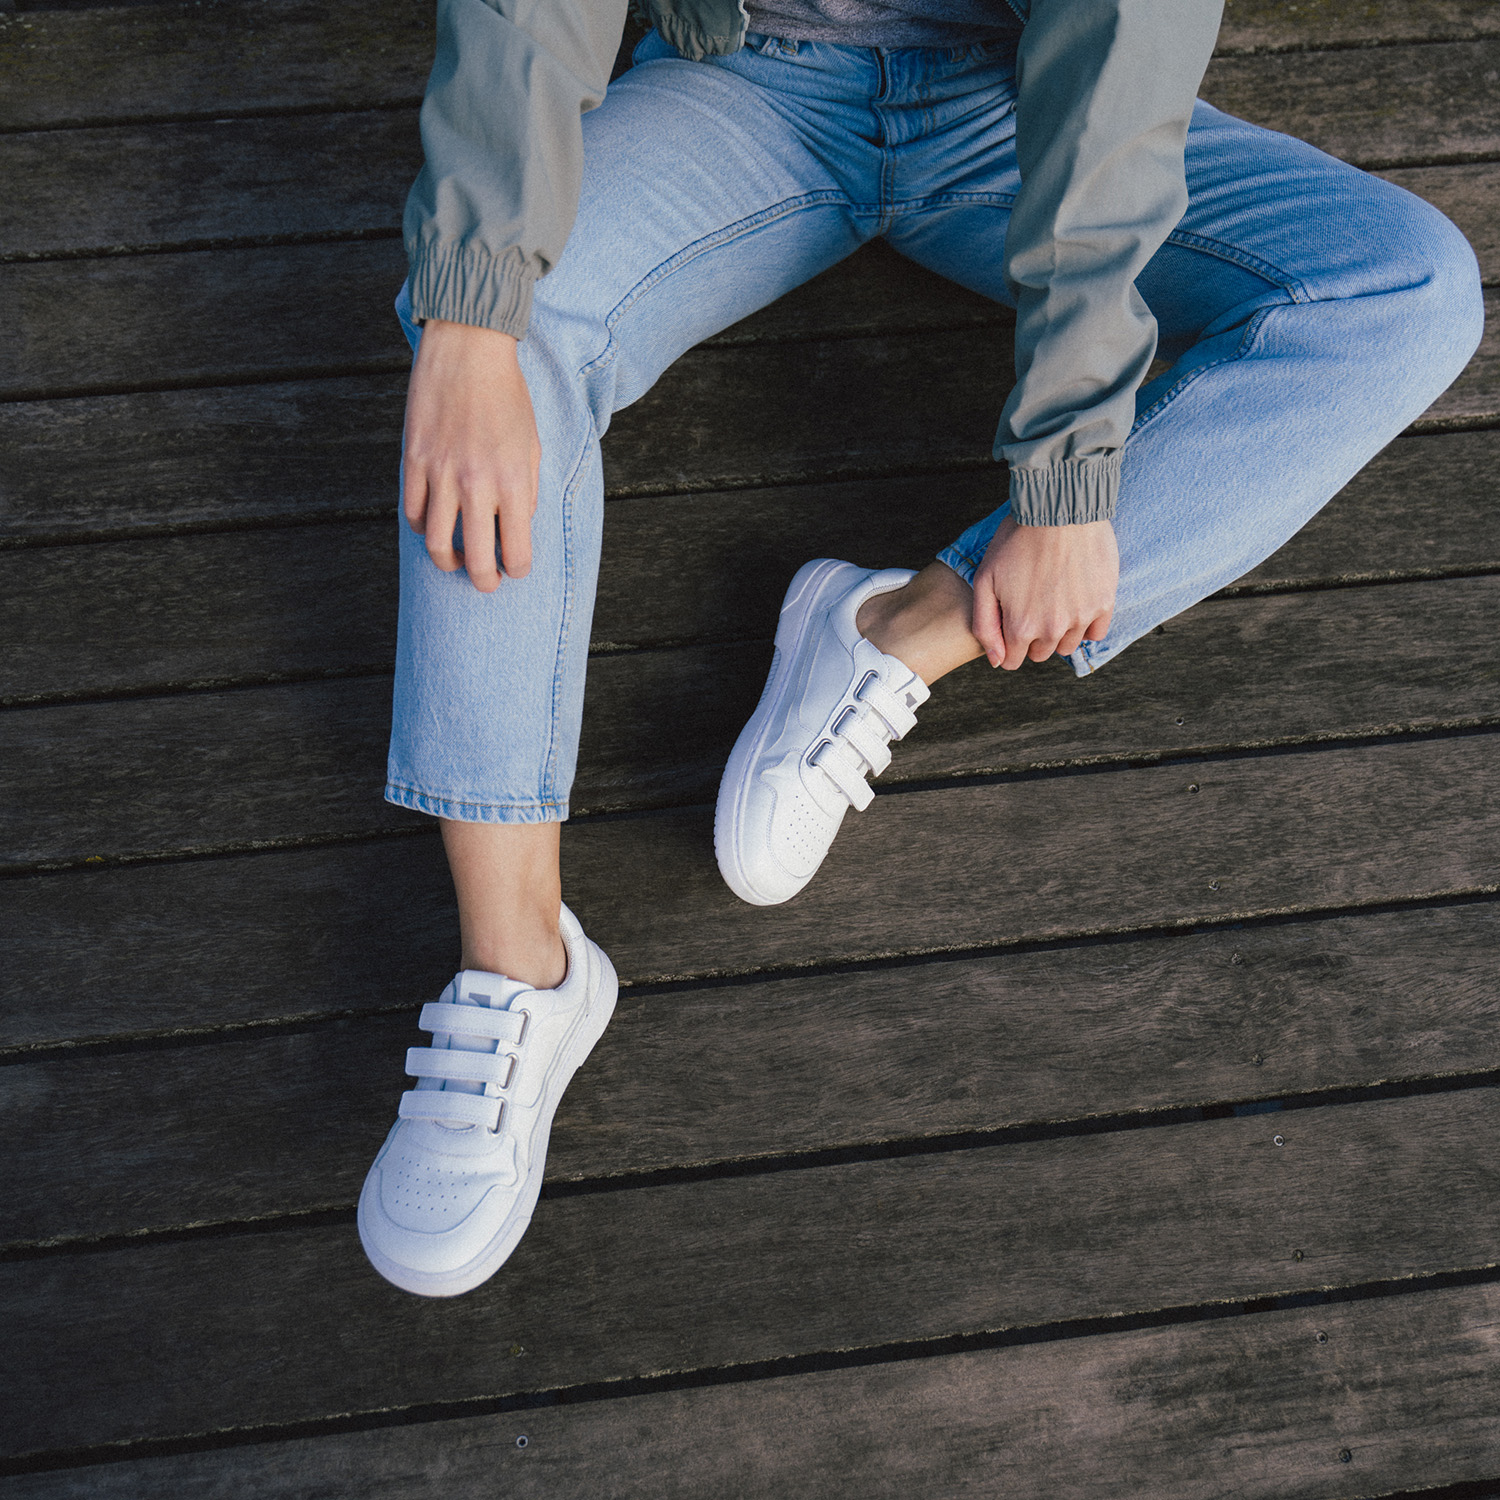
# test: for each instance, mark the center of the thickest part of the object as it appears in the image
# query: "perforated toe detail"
(802, 834)
(421, 1194)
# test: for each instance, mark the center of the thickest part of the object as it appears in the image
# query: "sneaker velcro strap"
(842, 767)
(890, 708)
(466, 1067)
(450, 1109)
(472, 1020)
(859, 732)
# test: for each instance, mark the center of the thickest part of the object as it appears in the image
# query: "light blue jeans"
(1309, 312)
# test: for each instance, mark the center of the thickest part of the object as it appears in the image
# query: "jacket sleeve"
(503, 146)
(1105, 90)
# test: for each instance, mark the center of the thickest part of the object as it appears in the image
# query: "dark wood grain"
(139, 186)
(307, 760)
(207, 1335)
(171, 946)
(202, 317)
(265, 603)
(117, 1144)
(224, 58)
(1376, 106)
(1280, 26)
(1261, 1407)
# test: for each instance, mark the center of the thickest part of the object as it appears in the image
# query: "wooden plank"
(1376, 107)
(160, 185)
(306, 761)
(1259, 1407)
(202, 318)
(207, 61)
(1279, 26)
(1050, 859)
(112, 1144)
(305, 450)
(239, 57)
(159, 461)
(214, 1334)
(232, 607)
(273, 603)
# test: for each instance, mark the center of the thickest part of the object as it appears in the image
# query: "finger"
(1071, 641)
(414, 494)
(479, 544)
(441, 517)
(1041, 648)
(1100, 628)
(1018, 639)
(986, 622)
(517, 506)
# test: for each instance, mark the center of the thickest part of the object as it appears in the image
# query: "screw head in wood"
(1345, 1456)
(1296, 1255)
(1277, 1140)
(1321, 1337)
(1192, 786)
(522, 1441)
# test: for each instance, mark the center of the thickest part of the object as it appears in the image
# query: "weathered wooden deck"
(1167, 1169)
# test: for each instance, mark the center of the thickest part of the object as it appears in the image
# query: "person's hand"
(471, 448)
(1042, 589)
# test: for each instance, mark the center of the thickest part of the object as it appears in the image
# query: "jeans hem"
(460, 810)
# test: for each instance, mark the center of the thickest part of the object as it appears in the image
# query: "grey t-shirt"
(884, 23)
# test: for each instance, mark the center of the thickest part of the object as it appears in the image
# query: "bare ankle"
(509, 887)
(925, 624)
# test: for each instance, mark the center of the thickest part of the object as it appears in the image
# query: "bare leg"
(509, 889)
(926, 624)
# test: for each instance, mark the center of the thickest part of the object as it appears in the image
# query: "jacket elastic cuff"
(1067, 493)
(466, 285)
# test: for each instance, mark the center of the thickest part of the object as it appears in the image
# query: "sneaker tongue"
(494, 991)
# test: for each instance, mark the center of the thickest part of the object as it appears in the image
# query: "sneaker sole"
(805, 590)
(494, 1255)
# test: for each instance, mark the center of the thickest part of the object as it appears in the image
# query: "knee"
(1439, 286)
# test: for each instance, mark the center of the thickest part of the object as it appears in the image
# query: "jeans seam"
(943, 200)
(680, 258)
(570, 490)
(1247, 339)
(1263, 268)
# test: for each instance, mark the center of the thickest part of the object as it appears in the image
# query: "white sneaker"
(831, 707)
(454, 1186)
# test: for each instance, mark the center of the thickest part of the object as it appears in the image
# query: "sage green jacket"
(1105, 89)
